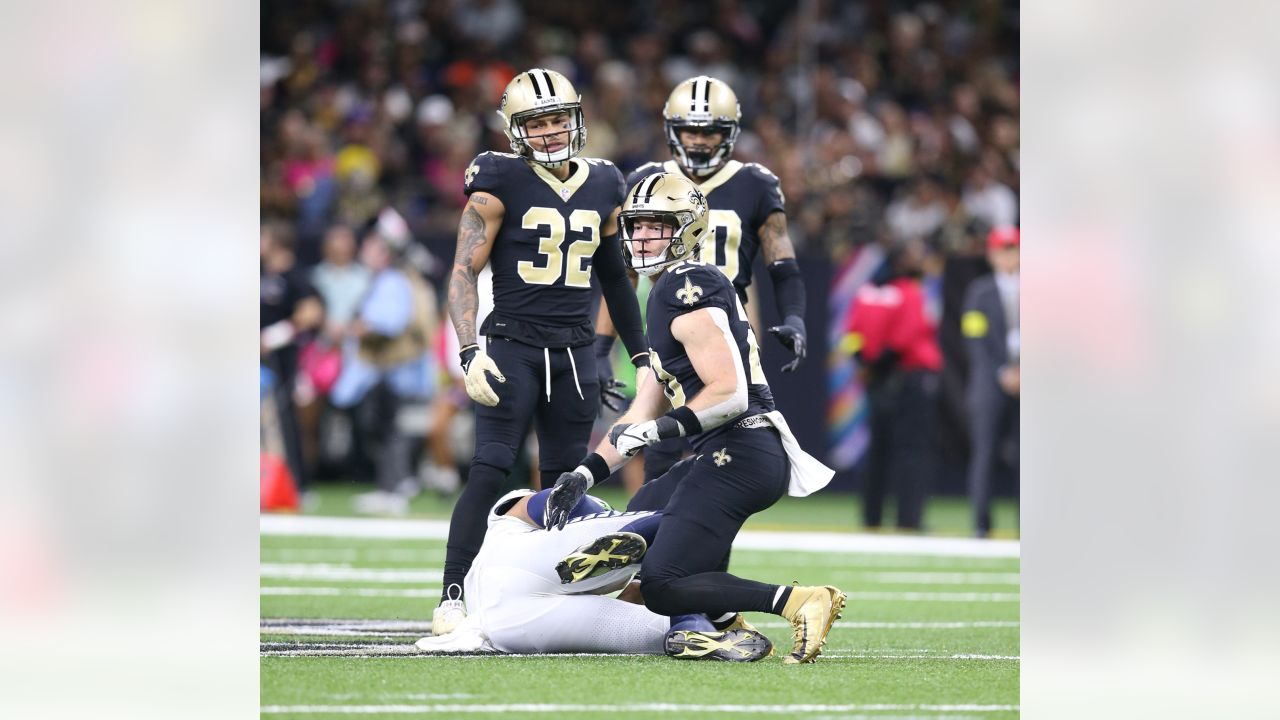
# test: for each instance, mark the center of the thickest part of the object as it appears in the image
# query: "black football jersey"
(542, 255)
(683, 288)
(740, 197)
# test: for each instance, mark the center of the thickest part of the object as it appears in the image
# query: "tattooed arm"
(481, 219)
(775, 243)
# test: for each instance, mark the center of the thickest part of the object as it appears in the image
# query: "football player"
(520, 599)
(747, 217)
(543, 219)
(703, 352)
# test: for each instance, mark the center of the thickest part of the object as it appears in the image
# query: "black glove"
(563, 499)
(791, 334)
(609, 395)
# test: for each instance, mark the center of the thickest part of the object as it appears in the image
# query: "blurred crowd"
(888, 123)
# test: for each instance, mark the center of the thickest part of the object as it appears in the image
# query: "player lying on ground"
(702, 349)
(517, 600)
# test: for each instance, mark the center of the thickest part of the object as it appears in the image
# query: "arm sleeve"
(788, 288)
(624, 308)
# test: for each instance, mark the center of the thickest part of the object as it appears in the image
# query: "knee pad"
(495, 455)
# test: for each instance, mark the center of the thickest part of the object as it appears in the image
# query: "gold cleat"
(740, 623)
(605, 553)
(729, 645)
(811, 610)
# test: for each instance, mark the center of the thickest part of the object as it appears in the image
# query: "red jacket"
(892, 317)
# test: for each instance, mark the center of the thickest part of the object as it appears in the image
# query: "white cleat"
(446, 617)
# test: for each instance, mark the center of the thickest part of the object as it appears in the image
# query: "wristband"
(689, 423)
(595, 467)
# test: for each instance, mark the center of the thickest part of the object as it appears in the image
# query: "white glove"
(475, 363)
(630, 439)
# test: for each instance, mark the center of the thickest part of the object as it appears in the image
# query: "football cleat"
(605, 553)
(740, 623)
(449, 613)
(729, 645)
(811, 610)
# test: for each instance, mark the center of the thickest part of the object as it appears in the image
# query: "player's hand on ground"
(791, 334)
(475, 364)
(569, 489)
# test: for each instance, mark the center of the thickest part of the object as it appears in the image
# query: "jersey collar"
(730, 169)
(564, 190)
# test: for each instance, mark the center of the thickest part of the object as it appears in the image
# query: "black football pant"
(707, 499)
(903, 447)
(563, 424)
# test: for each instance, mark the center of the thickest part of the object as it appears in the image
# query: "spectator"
(918, 214)
(288, 309)
(897, 349)
(988, 200)
(386, 362)
(341, 283)
(990, 324)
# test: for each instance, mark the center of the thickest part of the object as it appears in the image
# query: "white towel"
(808, 474)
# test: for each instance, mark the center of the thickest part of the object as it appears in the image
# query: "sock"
(724, 620)
(780, 599)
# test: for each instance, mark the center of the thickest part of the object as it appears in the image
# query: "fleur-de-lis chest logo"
(471, 174)
(690, 293)
(721, 457)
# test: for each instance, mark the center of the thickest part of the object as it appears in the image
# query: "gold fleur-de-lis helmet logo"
(471, 174)
(721, 457)
(690, 293)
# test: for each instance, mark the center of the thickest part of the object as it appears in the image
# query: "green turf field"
(923, 636)
(833, 512)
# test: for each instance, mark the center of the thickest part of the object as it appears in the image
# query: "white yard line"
(619, 708)
(775, 624)
(931, 578)
(352, 592)
(321, 571)
(433, 592)
(396, 628)
(304, 525)
(935, 597)
(338, 555)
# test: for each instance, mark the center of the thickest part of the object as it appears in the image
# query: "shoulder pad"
(643, 172)
(486, 172)
(691, 286)
(759, 169)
